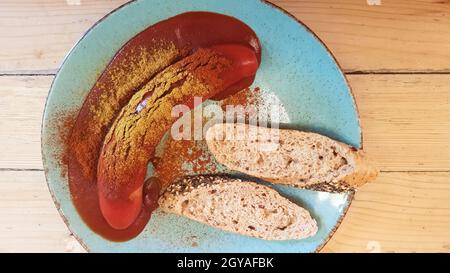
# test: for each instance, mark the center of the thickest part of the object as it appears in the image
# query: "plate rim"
(350, 194)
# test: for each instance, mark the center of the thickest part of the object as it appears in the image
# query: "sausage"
(131, 141)
(160, 45)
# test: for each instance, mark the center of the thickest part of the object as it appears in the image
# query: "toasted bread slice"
(292, 157)
(238, 206)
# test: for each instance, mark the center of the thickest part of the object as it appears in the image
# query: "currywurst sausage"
(140, 126)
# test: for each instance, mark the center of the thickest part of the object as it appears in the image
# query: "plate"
(297, 71)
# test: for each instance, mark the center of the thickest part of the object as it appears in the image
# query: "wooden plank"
(36, 35)
(21, 108)
(401, 35)
(405, 120)
(29, 221)
(400, 131)
(399, 212)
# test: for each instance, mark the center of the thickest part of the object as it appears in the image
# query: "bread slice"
(283, 156)
(238, 206)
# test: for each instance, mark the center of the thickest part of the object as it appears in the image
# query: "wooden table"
(396, 56)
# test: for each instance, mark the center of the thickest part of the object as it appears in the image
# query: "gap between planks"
(404, 171)
(356, 72)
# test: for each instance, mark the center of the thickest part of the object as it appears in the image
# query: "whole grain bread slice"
(292, 157)
(238, 206)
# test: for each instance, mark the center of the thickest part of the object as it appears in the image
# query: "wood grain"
(397, 36)
(29, 221)
(399, 212)
(400, 131)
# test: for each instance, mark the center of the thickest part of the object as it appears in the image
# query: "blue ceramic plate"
(297, 70)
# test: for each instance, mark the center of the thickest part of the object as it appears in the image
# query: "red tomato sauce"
(189, 30)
